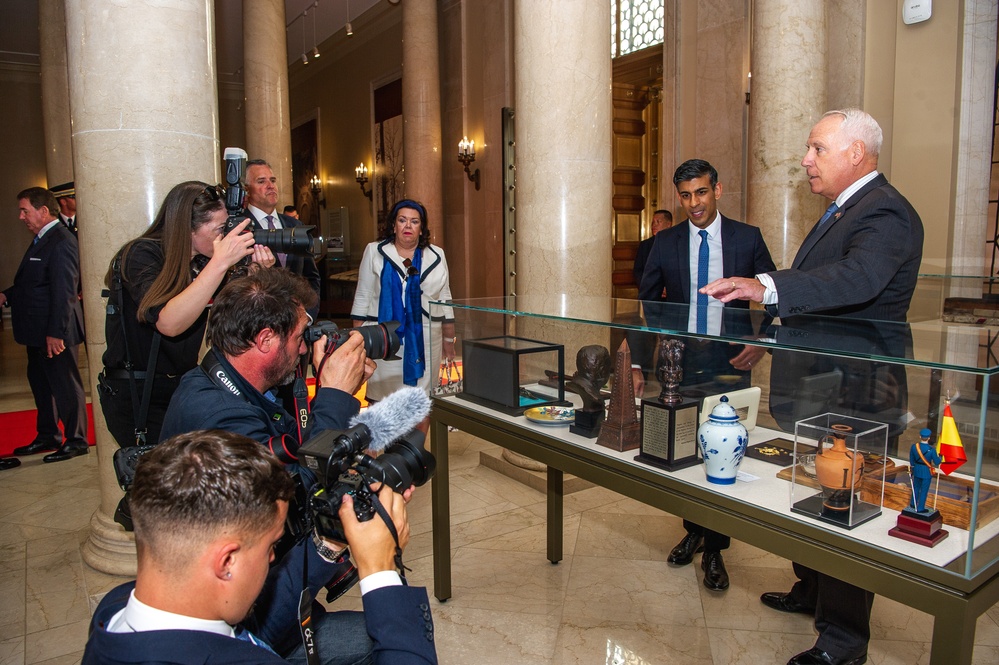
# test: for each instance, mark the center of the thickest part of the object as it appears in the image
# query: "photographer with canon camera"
(257, 330)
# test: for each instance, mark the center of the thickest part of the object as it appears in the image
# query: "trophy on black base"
(669, 424)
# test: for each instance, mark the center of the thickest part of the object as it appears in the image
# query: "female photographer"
(160, 286)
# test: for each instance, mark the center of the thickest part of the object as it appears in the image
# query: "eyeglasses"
(215, 192)
(410, 268)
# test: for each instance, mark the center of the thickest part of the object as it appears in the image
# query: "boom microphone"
(394, 416)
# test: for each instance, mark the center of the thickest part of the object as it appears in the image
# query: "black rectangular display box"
(505, 373)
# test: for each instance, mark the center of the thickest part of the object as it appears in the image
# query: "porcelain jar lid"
(723, 412)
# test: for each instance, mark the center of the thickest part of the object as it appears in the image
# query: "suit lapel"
(817, 234)
(728, 246)
(683, 260)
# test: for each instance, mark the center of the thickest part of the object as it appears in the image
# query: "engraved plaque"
(669, 434)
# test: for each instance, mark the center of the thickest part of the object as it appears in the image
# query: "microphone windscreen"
(394, 416)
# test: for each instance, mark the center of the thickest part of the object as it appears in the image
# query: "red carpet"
(18, 428)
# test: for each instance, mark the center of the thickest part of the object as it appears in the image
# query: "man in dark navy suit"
(261, 206)
(48, 320)
(694, 252)
(209, 508)
(859, 261)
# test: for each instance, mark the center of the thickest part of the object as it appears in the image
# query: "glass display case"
(888, 380)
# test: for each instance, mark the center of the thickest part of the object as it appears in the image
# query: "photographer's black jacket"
(200, 403)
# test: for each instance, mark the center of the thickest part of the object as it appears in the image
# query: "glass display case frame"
(900, 374)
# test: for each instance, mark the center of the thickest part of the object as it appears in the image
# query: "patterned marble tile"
(62, 642)
(750, 647)
(56, 592)
(514, 582)
(491, 637)
(610, 643)
(633, 536)
(738, 608)
(12, 651)
(12, 608)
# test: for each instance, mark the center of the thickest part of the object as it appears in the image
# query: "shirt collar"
(45, 229)
(137, 617)
(259, 214)
(845, 195)
(713, 229)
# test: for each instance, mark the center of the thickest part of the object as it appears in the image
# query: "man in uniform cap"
(66, 196)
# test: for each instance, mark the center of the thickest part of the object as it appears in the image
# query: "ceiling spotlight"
(350, 30)
(305, 59)
(315, 51)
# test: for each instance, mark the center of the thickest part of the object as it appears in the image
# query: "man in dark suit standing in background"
(261, 207)
(860, 261)
(48, 320)
(661, 220)
(685, 257)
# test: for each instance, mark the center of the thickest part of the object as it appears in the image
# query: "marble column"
(788, 97)
(55, 91)
(265, 81)
(421, 112)
(144, 117)
(563, 111)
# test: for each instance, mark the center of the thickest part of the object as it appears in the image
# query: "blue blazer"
(44, 299)
(744, 254)
(862, 263)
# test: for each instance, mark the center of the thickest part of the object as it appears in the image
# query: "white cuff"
(380, 579)
(770, 290)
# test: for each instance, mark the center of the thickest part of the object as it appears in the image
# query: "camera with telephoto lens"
(294, 240)
(381, 342)
(337, 459)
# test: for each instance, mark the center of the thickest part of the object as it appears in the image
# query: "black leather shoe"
(9, 463)
(684, 552)
(715, 575)
(784, 603)
(67, 451)
(37, 446)
(816, 656)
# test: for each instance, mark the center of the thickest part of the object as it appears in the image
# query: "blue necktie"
(702, 281)
(830, 211)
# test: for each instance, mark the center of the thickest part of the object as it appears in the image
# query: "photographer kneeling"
(256, 331)
(208, 508)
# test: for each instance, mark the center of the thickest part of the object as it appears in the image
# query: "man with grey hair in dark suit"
(859, 261)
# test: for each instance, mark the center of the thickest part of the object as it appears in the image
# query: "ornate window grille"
(636, 24)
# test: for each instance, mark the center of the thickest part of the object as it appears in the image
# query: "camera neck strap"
(303, 416)
(140, 409)
(380, 509)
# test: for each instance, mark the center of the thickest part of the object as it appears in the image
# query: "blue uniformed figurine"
(923, 462)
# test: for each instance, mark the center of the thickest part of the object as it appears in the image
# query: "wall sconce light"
(317, 190)
(361, 175)
(466, 155)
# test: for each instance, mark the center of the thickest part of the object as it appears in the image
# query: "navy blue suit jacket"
(862, 263)
(44, 299)
(397, 618)
(744, 254)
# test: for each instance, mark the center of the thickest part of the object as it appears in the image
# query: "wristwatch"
(328, 554)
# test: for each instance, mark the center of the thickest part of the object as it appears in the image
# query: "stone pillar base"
(109, 549)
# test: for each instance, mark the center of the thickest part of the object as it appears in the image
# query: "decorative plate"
(551, 415)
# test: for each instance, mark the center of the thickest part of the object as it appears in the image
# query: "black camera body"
(381, 342)
(296, 240)
(338, 461)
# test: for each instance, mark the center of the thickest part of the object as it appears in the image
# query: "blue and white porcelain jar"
(723, 441)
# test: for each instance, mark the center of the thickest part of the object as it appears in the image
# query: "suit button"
(430, 637)
(424, 607)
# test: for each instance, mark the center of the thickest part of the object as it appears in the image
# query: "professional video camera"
(295, 240)
(381, 342)
(337, 458)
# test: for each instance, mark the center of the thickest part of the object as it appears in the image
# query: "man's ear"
(265, 340)
(223, 557)
(858, 152)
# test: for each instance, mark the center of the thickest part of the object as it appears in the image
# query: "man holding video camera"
(256, 331)
(209, 508)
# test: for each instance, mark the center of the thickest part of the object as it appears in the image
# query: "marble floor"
(613, 599)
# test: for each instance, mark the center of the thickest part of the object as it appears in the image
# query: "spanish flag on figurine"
(949, 445)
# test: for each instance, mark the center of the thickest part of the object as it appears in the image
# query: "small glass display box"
(512, 374)
(835, 454)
